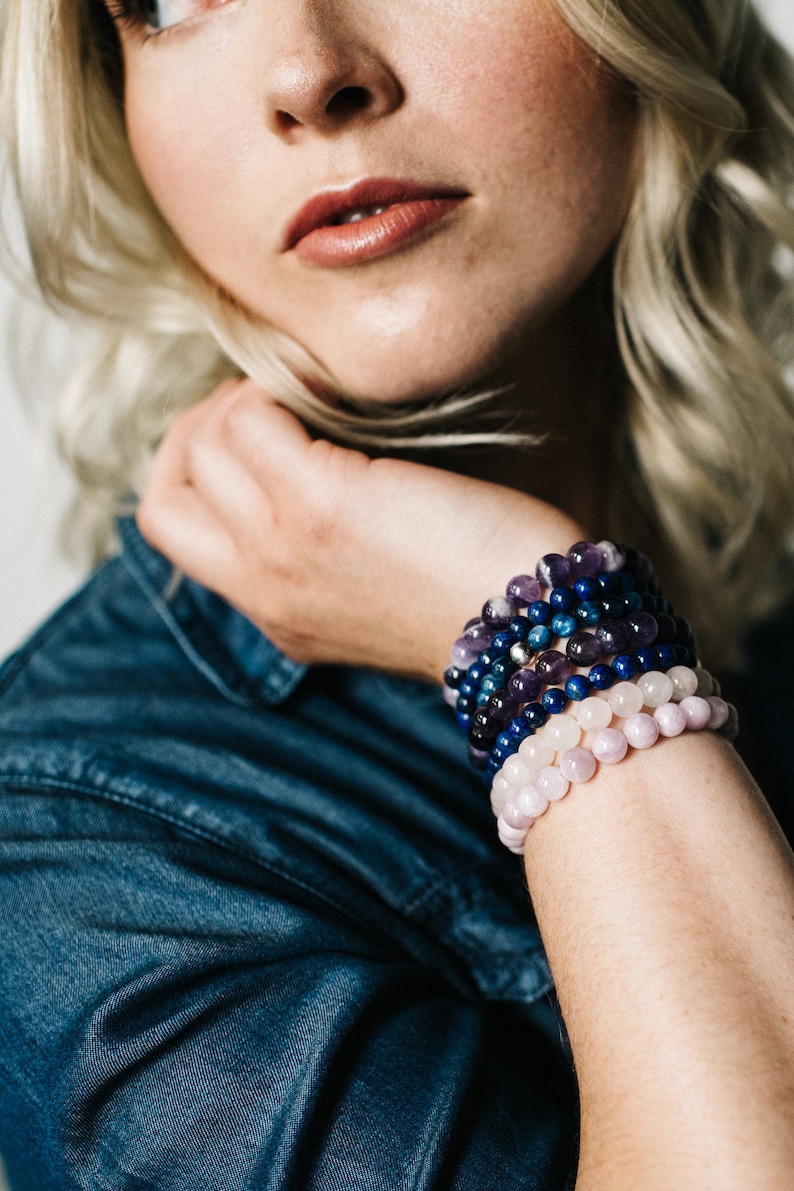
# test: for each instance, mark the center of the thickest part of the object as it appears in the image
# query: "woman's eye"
(160, 14)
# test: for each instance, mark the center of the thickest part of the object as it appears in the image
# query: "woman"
(259, 930)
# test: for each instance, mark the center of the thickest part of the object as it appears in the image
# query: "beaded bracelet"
(506, 682)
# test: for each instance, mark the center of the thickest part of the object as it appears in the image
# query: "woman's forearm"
(665, 894)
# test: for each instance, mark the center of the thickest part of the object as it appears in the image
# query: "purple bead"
(731, 728)
(610, 746)
(643, 628)
(719, 712)
(614, 636)
(523, 590)
(671, 719)
(553, 570)
(583, 649)
(525, 686)
(612, 557)
(697, 712)
(578, 765)
(498, 611)
(585, 559)
(451, 697)
(553, 668)
(478, 631)
(463, 653)
(641, 730)
(478, 758)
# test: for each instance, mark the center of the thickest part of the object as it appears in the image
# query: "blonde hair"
(702, 288)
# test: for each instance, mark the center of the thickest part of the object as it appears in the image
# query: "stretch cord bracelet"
(623, 642)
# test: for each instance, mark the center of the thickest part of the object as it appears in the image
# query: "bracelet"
(625, 650)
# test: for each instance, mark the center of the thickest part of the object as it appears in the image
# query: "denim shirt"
(257, 930)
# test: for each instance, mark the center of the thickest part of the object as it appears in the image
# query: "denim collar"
(223, 644)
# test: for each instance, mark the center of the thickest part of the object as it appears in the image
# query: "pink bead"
(535, 753)
(671, 719)
(530, 801)
(450, 696)
(697, 712)
(610, 746)
(731, 729)
(641, 731)
(578, 765)
(515, 817)
(552, 784)
(719, 712)
(593, 713)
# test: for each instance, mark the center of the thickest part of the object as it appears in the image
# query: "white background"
(33, 488)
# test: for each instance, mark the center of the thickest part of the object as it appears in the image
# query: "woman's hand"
(335, 556)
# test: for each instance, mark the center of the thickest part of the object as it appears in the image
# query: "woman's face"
(471, 161)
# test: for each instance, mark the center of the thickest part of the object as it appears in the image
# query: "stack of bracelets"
(592, 635)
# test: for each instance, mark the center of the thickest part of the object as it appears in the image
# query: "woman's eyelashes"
(155, 14)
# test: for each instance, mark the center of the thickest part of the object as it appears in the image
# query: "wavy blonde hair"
(702, 288)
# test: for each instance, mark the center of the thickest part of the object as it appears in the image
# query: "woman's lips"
(386, 215)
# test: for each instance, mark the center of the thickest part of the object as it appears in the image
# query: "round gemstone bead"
(585, 558)
(594, 714)
(502, 706)
(554, 701)
(583, 649)
(498, 611)
(609, 584)
(515, 816)
(523, 590)
(625, 666)
(478, 758)
(610, 746)
(553, 570)
(587, 588)
(449, 695)
(643, 628)
(466, 704)
(614, 607)
(641, 731)
(518, 730)
(613, 558)
(666, 629)
(633, 601)
(525, 686)
(478, 632)
(561, 733)
(489, 684)
(477, 672)
(501, 789)
(454, 676)
(540, 612)
(666, 657)
(589, 613)
(684, 682)
(521, 653)
(551, 783)
(578, 765)
(625, 699)
(515, 771)
(719, 712)
(614, 636)
(697, 712)
(502, 641)
(503, 668)
(531, 800)
(562, 599)
(540, 638)
(646, 659)
(657, 689)
(463, 653)
(602, 677)
(731, 728)
(511, 837)
(519, 628)
(463, 720)
(535, 716)
(488, 656)
(563, 624)
(705, 683)
(578, 687)
(553, 668)
(535, 753)
(671, 719)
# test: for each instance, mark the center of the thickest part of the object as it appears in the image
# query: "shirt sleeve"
(176, 1017)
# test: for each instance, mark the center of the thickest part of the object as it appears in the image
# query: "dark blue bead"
(489, 684)
(519, 628)
(666, 657)
(477, 671)
(602, 677)
(454, 676)
(541, 638)
(683, 632)
(649, 603)
(502, 641)
(489, 656)
(682, 655)
(493, 767)
(632, 563)
(562, 599)
(625, 666)
(633, 601)
(640, 584)
(464, 720)
(500, 754)
(587, 588)
(608, 582)
(535, 716)
(646, 658)
(589, 613)
(467, 687)
(504, 741)
(626, 580)
(666, 633)
(518, 729)
(578, 687)
(502, 669)
(563, 624)
(554, 701)
(539, 612)
(614, 607)
(466, 704)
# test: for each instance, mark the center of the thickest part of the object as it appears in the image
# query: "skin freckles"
(233, 119)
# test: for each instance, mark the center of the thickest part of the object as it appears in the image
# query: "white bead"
(516, 772)
(530, 801)
(625, 699)
(501, 787)
(510, 836)
(551, 783)
(657, 689)
(684, 682)
(562, 732)
(535, 754)
(594, 714)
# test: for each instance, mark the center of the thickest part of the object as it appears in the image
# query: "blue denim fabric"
(257, 931)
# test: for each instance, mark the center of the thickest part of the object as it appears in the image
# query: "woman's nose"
(322, 76)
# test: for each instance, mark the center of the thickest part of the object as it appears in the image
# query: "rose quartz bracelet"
(631, 715)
